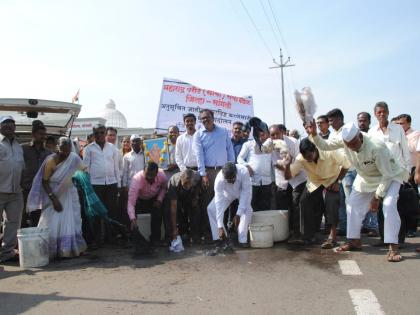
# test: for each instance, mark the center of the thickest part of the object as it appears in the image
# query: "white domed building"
(110, 116)
(114, 118)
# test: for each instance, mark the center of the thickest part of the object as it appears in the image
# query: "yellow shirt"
(324, 172)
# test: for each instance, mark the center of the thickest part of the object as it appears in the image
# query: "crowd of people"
(343, 179)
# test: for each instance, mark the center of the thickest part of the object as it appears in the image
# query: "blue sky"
(351, 53)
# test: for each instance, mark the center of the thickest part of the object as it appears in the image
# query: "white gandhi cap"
(135, 136)
(349, 131)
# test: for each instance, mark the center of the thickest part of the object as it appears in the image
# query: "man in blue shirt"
(213, 149)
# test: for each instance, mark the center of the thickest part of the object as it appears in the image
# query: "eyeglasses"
(99, 132)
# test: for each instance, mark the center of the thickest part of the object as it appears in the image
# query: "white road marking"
(365, 302)
(349, 268)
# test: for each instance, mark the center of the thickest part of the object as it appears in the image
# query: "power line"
(278, 27)
(271, 24)
(256, 28)
(244, 26)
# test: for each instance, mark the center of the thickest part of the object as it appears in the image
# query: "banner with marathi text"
(179, 98)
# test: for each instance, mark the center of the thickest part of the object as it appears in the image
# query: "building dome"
(114, 118)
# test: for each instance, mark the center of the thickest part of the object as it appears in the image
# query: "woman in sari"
(54, 192)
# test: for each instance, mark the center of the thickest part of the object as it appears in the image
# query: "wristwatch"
(339, 181)
(51, 195)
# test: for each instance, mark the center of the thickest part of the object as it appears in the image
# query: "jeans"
(345, 190)
(371, 221)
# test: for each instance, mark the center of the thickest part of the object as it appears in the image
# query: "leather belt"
(217, 168)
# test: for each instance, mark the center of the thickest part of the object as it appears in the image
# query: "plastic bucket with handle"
(33, 247)
(261, 235)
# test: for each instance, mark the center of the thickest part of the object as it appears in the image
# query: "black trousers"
(294, 210)
(146, 206)
(206, 196)
(284, 200)
(312, 205)
(188, 217)
(229, 214)
(261, 197)
(108, 194)
(122, 208)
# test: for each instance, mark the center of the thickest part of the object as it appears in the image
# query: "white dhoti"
(216, 219)
(358, 206)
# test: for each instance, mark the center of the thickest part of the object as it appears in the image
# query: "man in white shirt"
(413, 136)
(11, 201)
(379, 177)
(102, 161)
(173, 134)
(394, 138)
(111, 135)
(232, 182)
(133, 161)
(259, 165)
(184, 153)
(391, 134)
(289, 197)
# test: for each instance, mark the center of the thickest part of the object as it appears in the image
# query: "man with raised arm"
(379, 177)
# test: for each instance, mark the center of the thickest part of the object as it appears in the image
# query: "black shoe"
(93, 246)
(364, 230)
(379, 244)
(158, 243)
(13, 258)
(224, 246)
(244, 245)
(302, 242)
(411, 234)
(341, 232)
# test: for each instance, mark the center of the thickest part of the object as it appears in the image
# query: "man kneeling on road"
(147, 190)
(182, 203)
(379, 177)
(232, 182)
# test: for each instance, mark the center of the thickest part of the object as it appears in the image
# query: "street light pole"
(282, 65)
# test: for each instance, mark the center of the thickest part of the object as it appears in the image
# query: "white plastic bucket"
(278, 218)
(143, 222)
(33, 247)
(261, 235)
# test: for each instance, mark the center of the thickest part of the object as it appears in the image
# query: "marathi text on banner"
(178, 98)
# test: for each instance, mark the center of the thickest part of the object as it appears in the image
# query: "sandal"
(329, 244)
(349, 247)
(394, 256)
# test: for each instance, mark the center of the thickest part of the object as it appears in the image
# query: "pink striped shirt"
(141, 188)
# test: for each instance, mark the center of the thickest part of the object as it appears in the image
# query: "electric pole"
(282, 65)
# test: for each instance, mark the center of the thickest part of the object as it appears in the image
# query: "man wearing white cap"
(379, 177)
(11, 200)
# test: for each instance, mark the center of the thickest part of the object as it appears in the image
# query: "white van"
(57, 117)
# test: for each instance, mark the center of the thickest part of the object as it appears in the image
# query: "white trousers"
(358, 206)
(216, 220)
